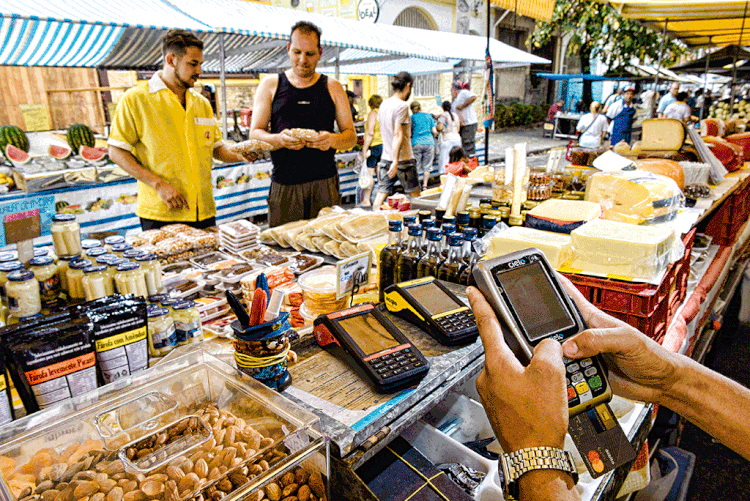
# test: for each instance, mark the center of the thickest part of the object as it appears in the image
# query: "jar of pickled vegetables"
(66, 235)
(187, 323)
(23, 294)
(118, 249)
(96, 282)
(152, 272)
(75, 278)
(162, 337)
(46, 274)
(63, 263)
(6, 268)
(130, 280)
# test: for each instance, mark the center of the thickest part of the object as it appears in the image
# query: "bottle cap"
(20, 275)
(470, 233)
(96, 252)
(394, 225)
(41, 261)
(409, 220)
(429, 223)
(63, 217)
(127, 266)
(448, 228)
(183, 305)
(148, 256)
(95, 268)
(11, 266)
(455, 239)
(90, 243)
(39, 252)
(433, 234)
(462, 218)
(121, 247)
(415, 229)
(449, 219)
(156, 311)
(80, 264)
(114, 239)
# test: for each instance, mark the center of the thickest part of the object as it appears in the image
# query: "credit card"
(600, 440)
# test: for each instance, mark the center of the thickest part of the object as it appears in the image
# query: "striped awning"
(698, 23)
(541, 10)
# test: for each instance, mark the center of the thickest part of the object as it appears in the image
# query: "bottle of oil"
(423, 216)
(426, 225)
(462, 220)
(447, 229)
(408, 220)
(470, 257)
(388, 257)
(406, 265)
(428, 265)
(450, 270)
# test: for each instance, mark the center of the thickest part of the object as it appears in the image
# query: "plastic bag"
(365, 178)
(482, 244)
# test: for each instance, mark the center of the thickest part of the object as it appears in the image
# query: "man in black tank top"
(304, 177)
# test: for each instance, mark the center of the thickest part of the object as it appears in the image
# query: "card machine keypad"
(584, 380)
(457, 322)
(396, 363)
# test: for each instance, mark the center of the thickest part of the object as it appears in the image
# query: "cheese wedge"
(562, 216)
(555, 246)
(614, 248)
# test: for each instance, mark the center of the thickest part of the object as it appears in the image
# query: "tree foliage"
(597, 30)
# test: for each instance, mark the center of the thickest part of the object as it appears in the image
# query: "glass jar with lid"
(95, 252)
(162, 337)
(112, 240)
(130, 280)
(6, 268)
(75, 278)
(63, 263)
(112, 265)
(169, 303)
(23, 294)
(152, 272)
(132, 254)
(90, 243)
(45, 271)
(118, 249)
(156, 299)
(66, 235)
(187, 323)
(96, 282)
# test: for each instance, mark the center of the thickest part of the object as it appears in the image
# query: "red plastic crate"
(649, 308)
(726, 222)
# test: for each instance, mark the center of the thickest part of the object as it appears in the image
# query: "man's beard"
(184, 83)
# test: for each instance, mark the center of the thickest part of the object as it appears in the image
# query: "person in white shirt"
(667, 99)
(463, 105)
(592, 127)
(679, 109)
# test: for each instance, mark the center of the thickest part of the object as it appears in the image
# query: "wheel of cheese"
(663, 134)
(743, 140)
(730, 155)
(712, 127)
(668, 168)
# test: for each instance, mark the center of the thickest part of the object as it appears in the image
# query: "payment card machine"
(366, 339)
(532, 305)
(427, 303)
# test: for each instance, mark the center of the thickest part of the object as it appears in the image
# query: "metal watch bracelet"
(515, 464)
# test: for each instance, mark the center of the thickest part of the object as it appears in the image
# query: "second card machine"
(372, 344)
(426, 302)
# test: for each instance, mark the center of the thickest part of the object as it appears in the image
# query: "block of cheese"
(635, 196)
(665, 167)
(662, 134)
(562, 216)
(555, 246)
(613, 248)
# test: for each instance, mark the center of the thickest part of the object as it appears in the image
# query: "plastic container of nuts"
(191, 428)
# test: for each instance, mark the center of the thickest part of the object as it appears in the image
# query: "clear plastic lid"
(322, 280)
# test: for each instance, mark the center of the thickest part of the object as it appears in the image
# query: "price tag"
(36, 117)
(356, 267)
(26, 219)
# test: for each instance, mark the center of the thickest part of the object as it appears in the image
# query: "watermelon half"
(93, 154)
(59, 152)
(16, 155)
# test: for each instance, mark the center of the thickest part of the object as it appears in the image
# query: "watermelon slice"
(59, 152)
(16, 155)
(93, 154)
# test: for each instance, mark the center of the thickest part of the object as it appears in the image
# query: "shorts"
(406, 175)
(375, 153)
(292, 202)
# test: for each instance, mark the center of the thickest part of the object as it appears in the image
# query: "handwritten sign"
(356, 267)
(25, 219)
(36, 117)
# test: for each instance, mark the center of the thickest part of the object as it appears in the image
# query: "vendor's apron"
(623, 125)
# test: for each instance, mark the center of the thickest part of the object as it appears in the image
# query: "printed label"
(62, 380)
(5, 415)
(50, 288)
(13, 304)
(164, 338)
(122, 354)
(187, 331)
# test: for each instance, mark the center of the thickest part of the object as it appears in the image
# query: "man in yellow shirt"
(164, 135)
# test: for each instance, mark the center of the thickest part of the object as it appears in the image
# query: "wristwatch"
(517, 463)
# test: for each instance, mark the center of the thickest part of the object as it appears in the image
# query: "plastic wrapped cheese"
(363, 226)
(635, 196)
(613, 248)
(562, 216)
(315, 227)
(662, 134)
(555, 246)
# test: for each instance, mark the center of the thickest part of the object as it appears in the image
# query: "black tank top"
(308, 108)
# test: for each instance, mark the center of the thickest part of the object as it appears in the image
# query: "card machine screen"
(433, 298)
(368, 333)
(539, 310)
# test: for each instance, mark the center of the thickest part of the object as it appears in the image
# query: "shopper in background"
(304, 178)
(423, 132)
(373, 144)
(592, 127)
(612, 99)
(352, 99)
(447, 126)
(527, 406)
(463, 105)
(622, 115)
(556, 108)
(696, 102)
(667, 99)
(164, 135)
(679, 110)
(397, 162)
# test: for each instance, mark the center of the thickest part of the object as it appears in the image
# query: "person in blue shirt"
(423, 133)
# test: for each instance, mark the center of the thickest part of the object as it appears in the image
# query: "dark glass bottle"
(388, 257)
(408, 220)
(426, 225)
(406, 265)
(428, 265)
(424, 215)
(470, 257)
(488, 222)
(447, 229)
(475, 218)
(450, 270)
(462, 220)
(449, 220)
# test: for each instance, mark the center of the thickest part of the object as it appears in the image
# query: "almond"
(273, 492)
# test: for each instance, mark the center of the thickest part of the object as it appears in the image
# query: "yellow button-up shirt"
(173, 142)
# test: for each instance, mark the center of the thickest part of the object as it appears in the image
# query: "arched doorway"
(414, 17)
